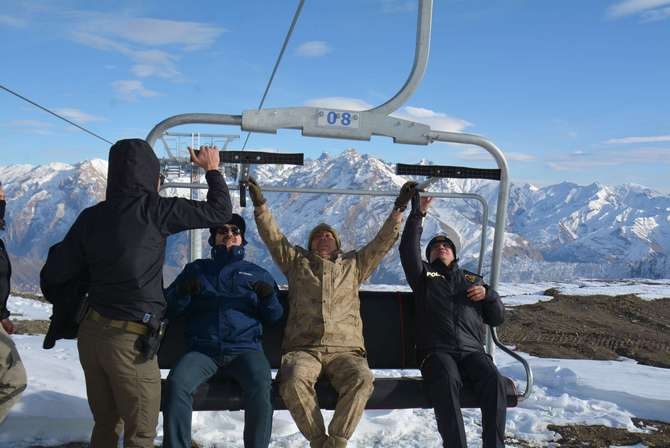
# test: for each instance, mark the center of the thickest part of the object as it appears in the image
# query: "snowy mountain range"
(558, 232)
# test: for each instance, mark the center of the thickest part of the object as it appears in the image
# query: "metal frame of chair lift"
(362, 125)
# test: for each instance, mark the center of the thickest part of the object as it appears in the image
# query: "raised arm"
(178, 214)
(283, 252)
(369, 257)
(410, 243)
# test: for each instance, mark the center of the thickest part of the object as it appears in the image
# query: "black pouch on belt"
(149, 344)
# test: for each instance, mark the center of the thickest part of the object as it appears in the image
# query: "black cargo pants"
(444, 374)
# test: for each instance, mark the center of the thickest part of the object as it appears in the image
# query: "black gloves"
(189, 287)
(406, 193)
(416, 204)
(263, 290)
(255, 192)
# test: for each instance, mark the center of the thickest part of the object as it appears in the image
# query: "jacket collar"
(222, 256)
(442, 268)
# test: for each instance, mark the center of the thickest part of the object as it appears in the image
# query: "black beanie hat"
(235, 220)
(440, 238)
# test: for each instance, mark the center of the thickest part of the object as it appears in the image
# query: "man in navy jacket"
(225, 300)
(452, 306)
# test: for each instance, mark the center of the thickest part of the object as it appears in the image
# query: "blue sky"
(570, 90)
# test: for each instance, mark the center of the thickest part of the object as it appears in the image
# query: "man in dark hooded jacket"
(118, 246)
(225, 300)
(452, 306)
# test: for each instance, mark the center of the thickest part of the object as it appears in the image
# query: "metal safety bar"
(352, 192)
(529, 372)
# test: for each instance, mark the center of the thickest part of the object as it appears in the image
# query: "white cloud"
(437, 121)
(584, 161)
(648, 139)
(148, 31)
(476, 153)
(14, 22)
(649, 10)
(131, 90)
(31, 126)
(656, 15)
(313, 49)
(519, 156)
(76, 115)
(339, 102)
(141, 39)
(147, 62)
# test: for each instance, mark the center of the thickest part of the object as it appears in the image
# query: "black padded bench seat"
(388, 328)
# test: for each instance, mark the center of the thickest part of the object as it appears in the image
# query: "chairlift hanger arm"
(344, 124)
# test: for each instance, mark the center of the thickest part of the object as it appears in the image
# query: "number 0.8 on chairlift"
(337, 118)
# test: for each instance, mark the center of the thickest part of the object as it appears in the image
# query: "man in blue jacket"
(452, 306)
(225, 300)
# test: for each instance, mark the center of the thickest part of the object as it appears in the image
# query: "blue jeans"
(251, 370)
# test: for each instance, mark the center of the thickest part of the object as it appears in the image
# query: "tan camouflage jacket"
(324, 308)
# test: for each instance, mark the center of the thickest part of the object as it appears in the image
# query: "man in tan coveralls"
(324, 331)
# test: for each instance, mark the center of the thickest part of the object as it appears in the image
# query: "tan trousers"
(351, 377)
(123, 390)
(12, 374)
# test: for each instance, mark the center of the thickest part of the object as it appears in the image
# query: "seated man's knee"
(290, 385)
(440, 369)
(174, 384)
(365, 380)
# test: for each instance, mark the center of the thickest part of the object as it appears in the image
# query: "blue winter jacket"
(223, 314)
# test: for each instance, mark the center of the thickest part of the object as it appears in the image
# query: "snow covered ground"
(54, 410)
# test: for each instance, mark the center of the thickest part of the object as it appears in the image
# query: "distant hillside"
(558, 232)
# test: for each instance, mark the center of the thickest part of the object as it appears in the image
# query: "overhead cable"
(54, 114)
(281, 54)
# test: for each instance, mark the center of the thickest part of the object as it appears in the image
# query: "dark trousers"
(251, 370)
(444, 374)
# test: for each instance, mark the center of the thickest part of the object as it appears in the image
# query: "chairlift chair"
(389, 341)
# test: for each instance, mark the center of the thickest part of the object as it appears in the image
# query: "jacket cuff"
(213, 176)
(4, 314)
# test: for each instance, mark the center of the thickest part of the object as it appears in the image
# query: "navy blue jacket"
(446, 318)
(224, 316)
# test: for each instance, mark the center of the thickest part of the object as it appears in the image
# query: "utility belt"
(151, 330)
(126, 325)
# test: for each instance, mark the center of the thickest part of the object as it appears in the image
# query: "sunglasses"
(229, 229)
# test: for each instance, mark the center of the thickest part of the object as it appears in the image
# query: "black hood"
(133, 168)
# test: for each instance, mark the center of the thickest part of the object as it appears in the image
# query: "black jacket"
(118, 245)
(5, 269)
(5, 277)
(446, 318)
